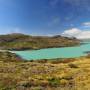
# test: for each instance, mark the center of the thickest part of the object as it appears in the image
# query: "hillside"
(56, 74)
(25, 42)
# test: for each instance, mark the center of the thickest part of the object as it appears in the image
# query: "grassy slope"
(69, 74)
(23, 42)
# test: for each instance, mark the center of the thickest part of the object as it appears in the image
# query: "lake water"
(52, 53)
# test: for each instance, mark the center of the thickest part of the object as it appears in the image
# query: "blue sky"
(44, 17)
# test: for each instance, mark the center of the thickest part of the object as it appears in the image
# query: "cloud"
(55, 21)
(10, 30)
(15, 30)
(87, 24)
(80, 4)
(78, 33)
(54, 2)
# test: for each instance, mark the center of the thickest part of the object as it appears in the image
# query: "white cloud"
(75, 32)
(15, 30)
(10, 30)
(87, 24)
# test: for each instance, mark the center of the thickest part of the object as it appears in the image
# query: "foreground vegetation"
(59, 74)
(26, 42)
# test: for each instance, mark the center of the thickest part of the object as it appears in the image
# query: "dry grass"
(74, 75)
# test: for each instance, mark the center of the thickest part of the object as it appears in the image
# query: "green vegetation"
(56, 74)
(26, 42)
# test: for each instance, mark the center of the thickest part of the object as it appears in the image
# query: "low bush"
(71, 65)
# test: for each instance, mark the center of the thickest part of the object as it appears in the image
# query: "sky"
(46, 17)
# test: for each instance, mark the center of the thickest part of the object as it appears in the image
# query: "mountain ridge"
(25, 42)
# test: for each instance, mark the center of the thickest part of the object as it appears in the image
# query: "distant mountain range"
(85, 40)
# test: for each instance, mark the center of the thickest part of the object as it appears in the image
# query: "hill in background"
(26, 42)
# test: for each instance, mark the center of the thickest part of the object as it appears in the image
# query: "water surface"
(52, 53)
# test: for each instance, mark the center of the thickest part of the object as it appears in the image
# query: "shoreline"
(41, 48)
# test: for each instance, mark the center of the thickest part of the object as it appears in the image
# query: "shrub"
(54, 82)
(37, 88)
(71, 65)
(63, 82)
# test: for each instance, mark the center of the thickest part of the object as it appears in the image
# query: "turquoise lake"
(52, 53)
